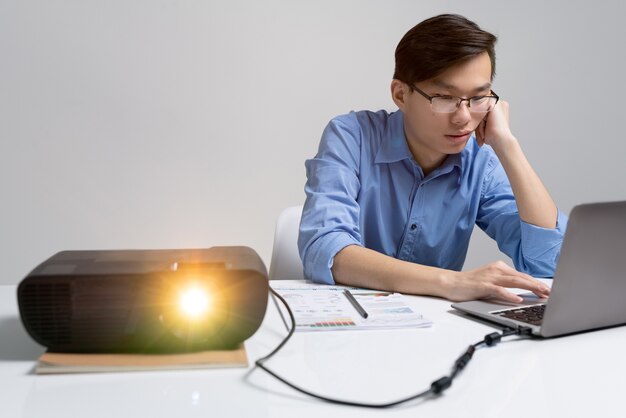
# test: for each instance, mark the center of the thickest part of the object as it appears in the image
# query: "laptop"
(589, 287)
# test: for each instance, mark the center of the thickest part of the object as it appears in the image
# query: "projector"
(145, 301)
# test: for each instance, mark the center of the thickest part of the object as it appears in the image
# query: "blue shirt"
(364, 187)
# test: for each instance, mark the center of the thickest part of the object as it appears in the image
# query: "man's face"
(431, 136)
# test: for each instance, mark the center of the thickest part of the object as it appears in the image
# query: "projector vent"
(47, 311)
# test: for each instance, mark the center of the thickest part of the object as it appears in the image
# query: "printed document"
(324, 308)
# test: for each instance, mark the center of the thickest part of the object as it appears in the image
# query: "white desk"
(575, 376)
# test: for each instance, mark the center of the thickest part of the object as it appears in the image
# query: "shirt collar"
(394, 146)
(453, 160)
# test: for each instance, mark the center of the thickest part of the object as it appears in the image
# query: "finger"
(536, 284)
(521, 282)
(480, 133)
(543, 288)
(524, 281)
(541, 293)
(503, 294)
(505, 108)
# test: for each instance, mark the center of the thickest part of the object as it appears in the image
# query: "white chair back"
(286, 263)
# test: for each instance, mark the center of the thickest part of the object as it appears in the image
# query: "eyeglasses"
(449, 104)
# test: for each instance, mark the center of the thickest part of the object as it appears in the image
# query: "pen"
(354, 303)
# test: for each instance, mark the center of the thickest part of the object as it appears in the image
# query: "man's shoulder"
(367, 128)
(360, 132)
(364, 119)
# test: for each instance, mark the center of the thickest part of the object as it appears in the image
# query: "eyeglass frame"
(461, 99)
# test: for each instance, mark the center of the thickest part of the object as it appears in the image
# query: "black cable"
(436, 387)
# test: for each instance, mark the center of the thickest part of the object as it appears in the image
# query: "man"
(392, 198)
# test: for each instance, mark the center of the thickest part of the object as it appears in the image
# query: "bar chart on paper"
(325, 308)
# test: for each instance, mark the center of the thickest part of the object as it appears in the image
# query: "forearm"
(362, 267)
(358, 266)
(534, 203)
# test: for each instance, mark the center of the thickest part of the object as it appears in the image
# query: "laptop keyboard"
(530, 314)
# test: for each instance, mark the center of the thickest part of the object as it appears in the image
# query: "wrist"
(505, 146)
(447, 280)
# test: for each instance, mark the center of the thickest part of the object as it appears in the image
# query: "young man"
(392, 198)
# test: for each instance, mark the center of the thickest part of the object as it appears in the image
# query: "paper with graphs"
(325, 308)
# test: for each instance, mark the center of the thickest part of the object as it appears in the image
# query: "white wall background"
(172, 124)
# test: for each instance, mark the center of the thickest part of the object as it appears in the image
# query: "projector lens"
(196, 306)
(194, 301)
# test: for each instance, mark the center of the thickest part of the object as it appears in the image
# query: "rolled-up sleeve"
(533, 249)
(330, 218)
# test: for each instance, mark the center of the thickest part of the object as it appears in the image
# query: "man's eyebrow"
(447, 86)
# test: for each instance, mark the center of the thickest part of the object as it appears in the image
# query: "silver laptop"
(589, 287)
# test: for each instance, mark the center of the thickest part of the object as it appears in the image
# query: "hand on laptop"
(490, 282)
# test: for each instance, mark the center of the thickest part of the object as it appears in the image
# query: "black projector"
(145, 301)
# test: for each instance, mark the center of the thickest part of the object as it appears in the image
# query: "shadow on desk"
(476, 319)
(16, 343)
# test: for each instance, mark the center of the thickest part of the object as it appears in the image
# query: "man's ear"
(399, 92)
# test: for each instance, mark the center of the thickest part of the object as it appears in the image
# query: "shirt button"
(413, 226)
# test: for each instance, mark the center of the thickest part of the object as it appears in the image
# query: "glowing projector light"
(194, 302)
(142, 301)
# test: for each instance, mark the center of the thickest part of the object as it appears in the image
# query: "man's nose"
(462, 114)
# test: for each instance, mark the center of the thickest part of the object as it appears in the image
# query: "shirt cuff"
(317, 268)
(543, 243)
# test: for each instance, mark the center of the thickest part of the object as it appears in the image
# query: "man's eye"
(439, 96)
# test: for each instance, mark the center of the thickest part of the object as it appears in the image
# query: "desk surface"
(578, 375)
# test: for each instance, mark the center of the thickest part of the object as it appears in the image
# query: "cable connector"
(524, 330)
(440, 385)
(493, 338)
(462, 361)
